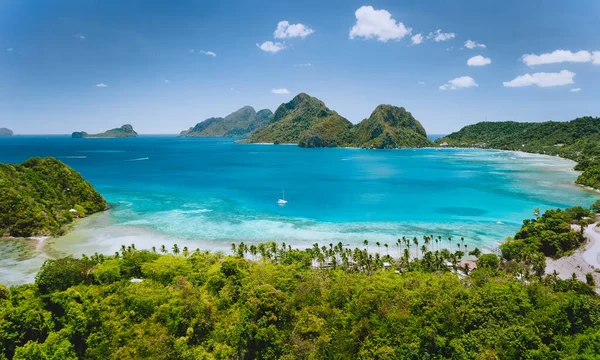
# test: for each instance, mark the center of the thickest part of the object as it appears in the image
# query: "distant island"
(578, 140)
(125, 131)
(6, 132)
(41, 195)
(306, 121)
(241, 123)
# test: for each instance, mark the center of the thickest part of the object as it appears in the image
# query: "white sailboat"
(282, 201)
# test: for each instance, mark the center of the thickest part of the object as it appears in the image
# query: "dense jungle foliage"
(578, 140)
(37, 196)
(408, 300)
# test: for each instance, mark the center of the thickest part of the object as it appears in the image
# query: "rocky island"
(6, 132)
(306, 121)
(42, 195)
(125, 131)
(241, 123)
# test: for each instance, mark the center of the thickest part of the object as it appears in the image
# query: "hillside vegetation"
(124, 131)
(269, 301)
(241, 123)
(306, 121)
(578, 140)
(5, 132)
(36, 197)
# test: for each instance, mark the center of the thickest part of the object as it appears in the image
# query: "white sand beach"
(584, 260)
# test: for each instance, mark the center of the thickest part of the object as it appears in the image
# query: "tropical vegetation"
(241, 123)
(41, 196)
(408, 300)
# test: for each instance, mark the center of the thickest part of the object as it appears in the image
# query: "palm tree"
(366, 244)
(175, 249)
(186, 252)
(416, 242)
(378, 246)
(233, 248)
(154, 249)
(387, 249)
(163, 249)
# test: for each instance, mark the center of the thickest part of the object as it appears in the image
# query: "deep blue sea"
(208, 193)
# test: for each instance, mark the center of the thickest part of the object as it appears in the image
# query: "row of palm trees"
(431, 255)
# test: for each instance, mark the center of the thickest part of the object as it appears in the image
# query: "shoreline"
(584, 260)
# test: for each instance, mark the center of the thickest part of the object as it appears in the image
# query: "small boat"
(282, 201)
(499, 222)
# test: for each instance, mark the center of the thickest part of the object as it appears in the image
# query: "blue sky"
(53, 54)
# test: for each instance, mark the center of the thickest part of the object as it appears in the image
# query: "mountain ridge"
(241, 123)
(308, 122)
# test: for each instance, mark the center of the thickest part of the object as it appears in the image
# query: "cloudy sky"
(164, 66)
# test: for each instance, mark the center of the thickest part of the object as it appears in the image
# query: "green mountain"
(306, 121)
(578, 140)
(40, 196)
(5, 132)
(241, 123)
(124, 131)
(390, 127)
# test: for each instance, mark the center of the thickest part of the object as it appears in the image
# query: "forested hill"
(269, 301)
(306, 121)
(125, 131)
(577, 140)
(5, 132)
(241, 123)
(40, 196)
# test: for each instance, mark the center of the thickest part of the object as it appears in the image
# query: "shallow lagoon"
(208, 193)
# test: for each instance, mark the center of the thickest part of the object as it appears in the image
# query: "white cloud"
(421, 83)
(80, 36)
(561, 56)
(10, 49)
(417, 39)
(166, 81)
(542, 79)
(596, 58)
(479, 61)
(303, 65)
(280, 91)
(459, 83)
(470, 44)
(210, 53)
(101, 85)
(438, 35)
(285, 30)
(271, 47)
(575, 90)
(371, 23)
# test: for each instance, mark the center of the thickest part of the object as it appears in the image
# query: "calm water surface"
(210, 192)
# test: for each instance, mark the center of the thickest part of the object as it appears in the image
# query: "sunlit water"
(208, 193)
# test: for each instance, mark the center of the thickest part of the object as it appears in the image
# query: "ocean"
(207, 193)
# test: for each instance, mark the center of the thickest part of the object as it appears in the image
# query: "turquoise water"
(211, 192)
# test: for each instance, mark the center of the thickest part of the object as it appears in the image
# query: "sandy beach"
(584, 260)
